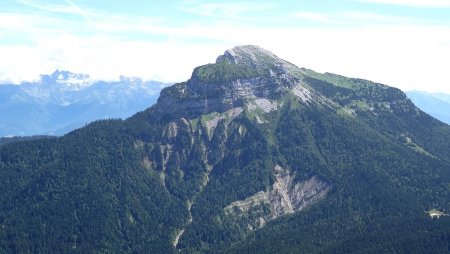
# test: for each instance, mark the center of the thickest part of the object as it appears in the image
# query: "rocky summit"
(241, 75)
(251, 155)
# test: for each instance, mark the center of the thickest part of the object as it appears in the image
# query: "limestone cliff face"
(286, 196)
(244, 80)
(240, 75)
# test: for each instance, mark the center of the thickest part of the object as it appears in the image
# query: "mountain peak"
(66, 78)
(63, 75)
(238, 77)
(249, 54)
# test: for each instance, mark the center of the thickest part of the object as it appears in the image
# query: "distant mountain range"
(63, 101)
(435, 104)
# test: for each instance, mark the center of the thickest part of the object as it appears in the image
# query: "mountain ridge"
(245, 75)
(63, 101)
(246, 156)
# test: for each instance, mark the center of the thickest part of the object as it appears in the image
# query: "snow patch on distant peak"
(70, 80)
(76, 83)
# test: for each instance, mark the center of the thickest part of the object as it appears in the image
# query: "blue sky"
(403, 43)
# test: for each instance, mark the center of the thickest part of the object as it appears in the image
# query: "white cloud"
(313, 16)
(354, 18)
(104, 58)
(409, 58)
(399, 52)
(222, 9)
(416, 3)
(362, 16)
(68, 8)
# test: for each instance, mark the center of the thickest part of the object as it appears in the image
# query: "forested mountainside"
(250, 155)
(8, 140)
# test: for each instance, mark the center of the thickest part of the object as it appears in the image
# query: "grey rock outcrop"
(286, 196)
(240, 75)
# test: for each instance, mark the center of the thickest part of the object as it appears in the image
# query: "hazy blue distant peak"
(438, 95)
(442, 96)
(63, 100)
(70, 81)
(435, 104)
(135, 82)
(130, 79)
(66, 75)
(63, 78)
